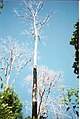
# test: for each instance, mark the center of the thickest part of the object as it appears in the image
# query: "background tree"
(10, 105)
(31, 14)
(71, 99)
(13, 58)
(1, 5)
(50, 92)
(75, 42)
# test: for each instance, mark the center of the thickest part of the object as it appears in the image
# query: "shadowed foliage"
(75, 42)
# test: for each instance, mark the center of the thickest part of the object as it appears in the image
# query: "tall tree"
(31, 14)
(75, 42)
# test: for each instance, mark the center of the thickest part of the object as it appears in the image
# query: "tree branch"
(25, 16)
(41, 97)
(20, 71)
(40, 5)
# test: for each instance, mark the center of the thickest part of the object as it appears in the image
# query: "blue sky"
(57, 54)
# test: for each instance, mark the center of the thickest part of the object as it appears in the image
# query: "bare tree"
(50, 91)
(31, 14)
(13, 58)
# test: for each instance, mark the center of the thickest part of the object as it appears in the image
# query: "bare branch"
(41, 24)
(20, 71)
(41, 97)
(40, 5)
(24, 16)
(29, 7)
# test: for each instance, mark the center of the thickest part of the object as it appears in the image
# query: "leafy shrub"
(10, 105)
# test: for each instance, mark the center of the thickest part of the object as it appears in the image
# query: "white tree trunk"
(36, 43)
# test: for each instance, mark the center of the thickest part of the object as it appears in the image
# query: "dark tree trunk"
(34, 94)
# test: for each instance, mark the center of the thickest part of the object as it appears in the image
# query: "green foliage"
(72, 100)
(28, 117)
(1, 6)
(10, 106)
(75, 42)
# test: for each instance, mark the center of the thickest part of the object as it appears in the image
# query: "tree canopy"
(75, 42)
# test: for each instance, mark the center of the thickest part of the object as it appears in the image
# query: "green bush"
(10, 106)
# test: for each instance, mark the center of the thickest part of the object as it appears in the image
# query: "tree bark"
(34, 94)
